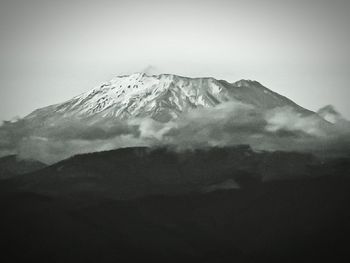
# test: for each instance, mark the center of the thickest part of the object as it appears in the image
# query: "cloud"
(151, 129)
(287, 119)
(53, 150)
(81, 130)
(227, 124)
(231, 123)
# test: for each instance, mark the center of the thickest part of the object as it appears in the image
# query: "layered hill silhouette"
(135, 172)
(140, 204)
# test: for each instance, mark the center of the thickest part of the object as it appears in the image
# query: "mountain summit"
(161, 97)
(330, 114)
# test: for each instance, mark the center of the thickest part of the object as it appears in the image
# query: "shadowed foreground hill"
(134, 172)
(141, 205)
(280, 221)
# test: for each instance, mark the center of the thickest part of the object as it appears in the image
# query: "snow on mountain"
(161, 97)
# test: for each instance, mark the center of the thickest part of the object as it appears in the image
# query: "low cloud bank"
(225, 125)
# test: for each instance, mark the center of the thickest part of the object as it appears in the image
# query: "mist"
(227, 124)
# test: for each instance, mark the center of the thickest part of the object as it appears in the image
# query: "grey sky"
(51, 50)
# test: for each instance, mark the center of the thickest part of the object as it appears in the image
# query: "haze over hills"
(12, 165)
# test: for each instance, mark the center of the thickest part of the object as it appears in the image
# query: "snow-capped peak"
(163, 97)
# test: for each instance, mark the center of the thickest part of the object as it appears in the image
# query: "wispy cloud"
(227, 124)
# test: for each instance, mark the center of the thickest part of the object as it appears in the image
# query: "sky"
(51, 50)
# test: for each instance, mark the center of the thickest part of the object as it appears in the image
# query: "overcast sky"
(52, 50)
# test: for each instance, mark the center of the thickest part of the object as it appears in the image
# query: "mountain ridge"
(162, 97)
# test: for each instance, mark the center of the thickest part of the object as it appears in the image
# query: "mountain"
(143, 110)
(161, 97)
(330, 114)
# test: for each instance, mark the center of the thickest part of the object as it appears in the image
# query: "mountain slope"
(161, 97)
